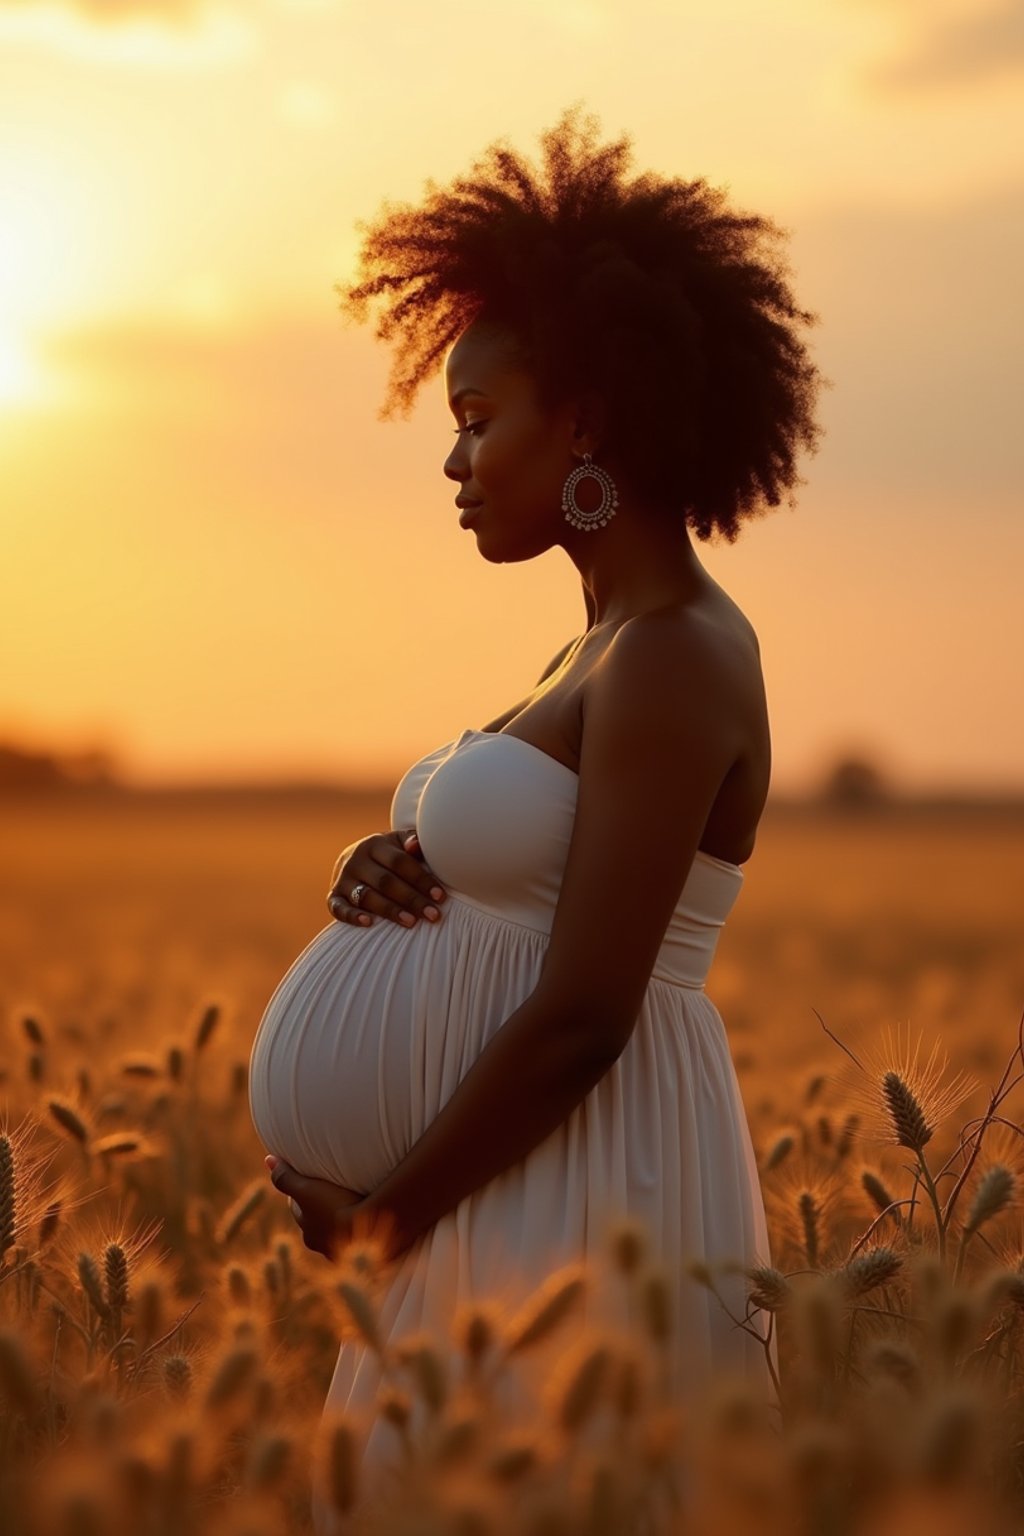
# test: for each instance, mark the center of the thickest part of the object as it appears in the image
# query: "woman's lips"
(467, 514)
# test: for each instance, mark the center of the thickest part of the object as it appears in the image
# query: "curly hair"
(653, 292)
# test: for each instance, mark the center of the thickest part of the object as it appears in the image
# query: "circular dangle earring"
(609, 496)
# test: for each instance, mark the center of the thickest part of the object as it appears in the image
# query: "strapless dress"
(372, 1028)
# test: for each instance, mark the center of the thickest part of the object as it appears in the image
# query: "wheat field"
(166, 1341)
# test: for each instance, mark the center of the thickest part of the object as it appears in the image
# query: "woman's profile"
(494, 1084)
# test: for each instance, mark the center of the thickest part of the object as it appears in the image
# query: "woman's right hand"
(399, 885)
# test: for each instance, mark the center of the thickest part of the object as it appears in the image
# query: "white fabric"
(372, 1028)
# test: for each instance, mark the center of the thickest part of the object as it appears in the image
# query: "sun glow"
(21, 381)
(40, 288)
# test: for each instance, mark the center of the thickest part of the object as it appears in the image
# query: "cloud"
(979, 45)
(160, 34)
(114, 11)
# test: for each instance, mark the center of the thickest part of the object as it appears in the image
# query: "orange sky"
(219, 563)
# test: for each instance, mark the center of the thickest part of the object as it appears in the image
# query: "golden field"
(165, 1341)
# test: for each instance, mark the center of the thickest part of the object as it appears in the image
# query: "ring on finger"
(357, 891)
(295, 1208)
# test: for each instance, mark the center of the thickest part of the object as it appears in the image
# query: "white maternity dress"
(370, 1031)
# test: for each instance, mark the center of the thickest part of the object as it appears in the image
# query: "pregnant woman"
(502, 1041)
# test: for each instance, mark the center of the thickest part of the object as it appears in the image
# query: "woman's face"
(509, 455)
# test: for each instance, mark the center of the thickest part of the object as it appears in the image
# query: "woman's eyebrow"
(467, 389)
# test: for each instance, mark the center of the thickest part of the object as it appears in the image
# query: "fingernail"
(432, 913)
(271, 1161)
(437, 893)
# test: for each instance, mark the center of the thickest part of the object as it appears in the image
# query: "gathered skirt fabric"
(662, 1137)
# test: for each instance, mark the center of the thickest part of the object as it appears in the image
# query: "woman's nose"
(454, 465)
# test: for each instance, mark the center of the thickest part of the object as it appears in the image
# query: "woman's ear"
(591, 422)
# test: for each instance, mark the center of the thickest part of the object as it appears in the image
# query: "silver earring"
(609, 496)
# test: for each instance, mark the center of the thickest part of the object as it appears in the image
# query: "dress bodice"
(494, 815)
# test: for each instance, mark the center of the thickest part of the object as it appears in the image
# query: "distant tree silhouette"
(21, 768)
(93, 765)
(854, 780)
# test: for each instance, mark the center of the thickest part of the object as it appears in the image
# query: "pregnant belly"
(371, 1030)
(331, 1070)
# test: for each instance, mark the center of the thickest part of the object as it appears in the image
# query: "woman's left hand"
(327, 1214)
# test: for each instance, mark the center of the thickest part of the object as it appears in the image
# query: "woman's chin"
(483, 546)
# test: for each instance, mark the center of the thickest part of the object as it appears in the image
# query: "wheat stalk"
(8, 1196)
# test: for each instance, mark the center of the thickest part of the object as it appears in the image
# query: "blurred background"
(221, 568)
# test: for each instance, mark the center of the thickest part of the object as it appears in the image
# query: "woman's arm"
(528, 1080)
(660, 730)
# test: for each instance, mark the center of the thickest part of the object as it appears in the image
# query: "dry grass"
(166, 1343)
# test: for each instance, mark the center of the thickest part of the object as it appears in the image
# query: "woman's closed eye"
(469, 427)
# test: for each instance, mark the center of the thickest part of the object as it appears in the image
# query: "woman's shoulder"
(708, 627)
(691, 656)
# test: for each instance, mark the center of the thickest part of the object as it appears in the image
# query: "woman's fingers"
(396, 884)
(285, 1179)
(345, 912)
(317, 1205)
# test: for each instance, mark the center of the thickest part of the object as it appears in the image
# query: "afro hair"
(653, 292)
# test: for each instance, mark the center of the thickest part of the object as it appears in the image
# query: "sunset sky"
(216, 560)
